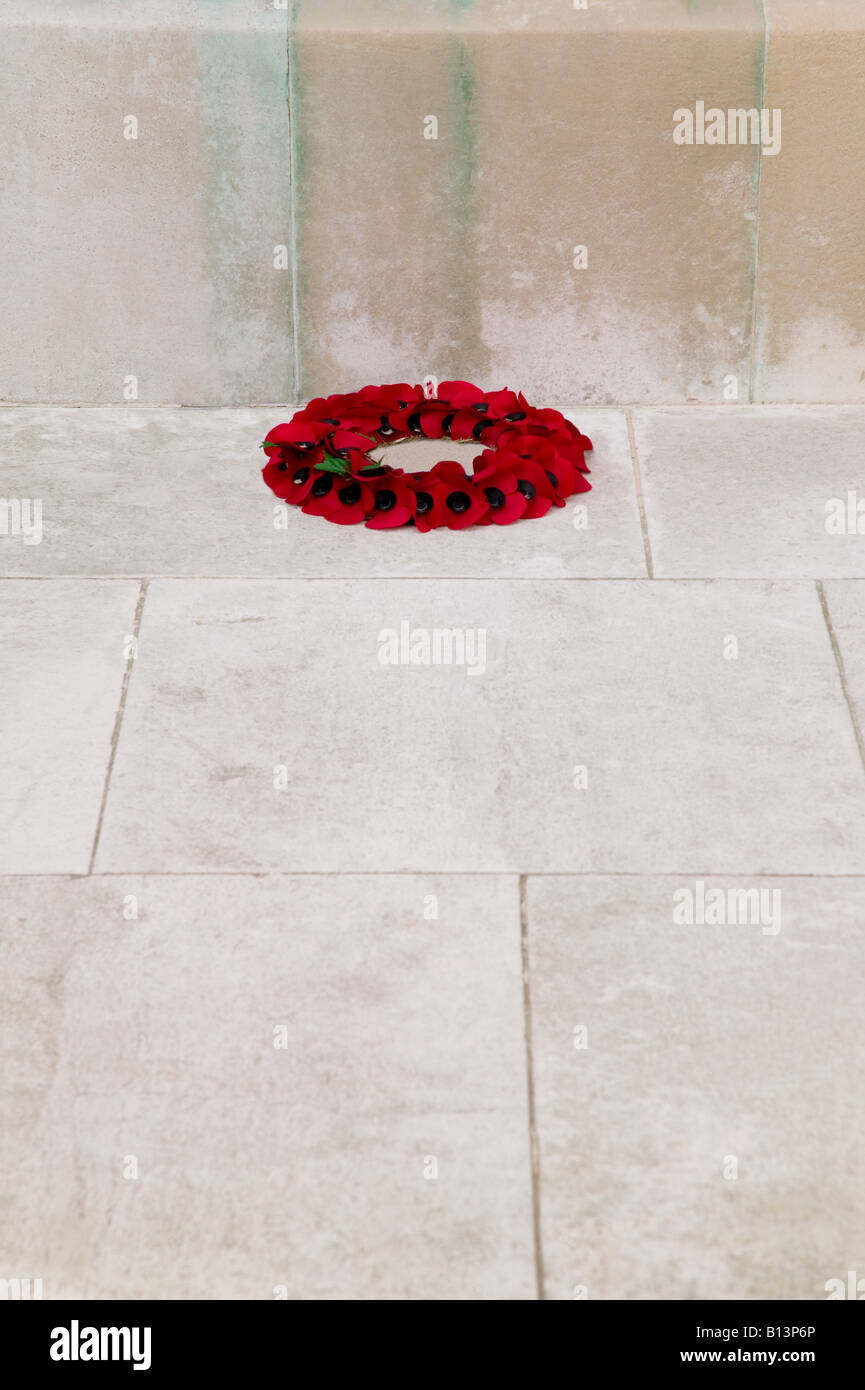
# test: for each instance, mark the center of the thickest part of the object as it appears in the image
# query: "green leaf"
(329, 464)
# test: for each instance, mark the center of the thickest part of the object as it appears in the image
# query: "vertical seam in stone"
(534, 1148)
(118, 720)
(638, 486)
(842, 675)
(756, 254)
(291, 16)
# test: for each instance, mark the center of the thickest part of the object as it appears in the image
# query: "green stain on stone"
(244, 118)
(296, 159)
(460, 214)
(759, 80)
(465, 144)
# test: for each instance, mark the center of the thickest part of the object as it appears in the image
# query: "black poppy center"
(480, 427)
(459, 502)
(350, 494)
(495, 497)
(322, 486)
(424, 502)
(385, 498)
(300, 476)
(516, 415)
(413, 423)
(552, 477)
(526, 488)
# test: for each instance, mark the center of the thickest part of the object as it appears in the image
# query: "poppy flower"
(343, 412)
(350, 447)
(532, 482)
(291, 482)
(321, 499)
(561, 474)
(393, 502)
(388, 398)
(317, 409)
(564, 433)
(420, 418)
(577, 446)
(503, 432)
(332, 410)
(505, 500)
(365, 419)
(487, 419)
(304, 435)
(548, 419)
(456, 501)
(390, 432)
(503, 403)
(396, 405)
(472, 422)
(494, 460)
(363, 416)
(471, 414)
(344, 501)
(425, 492)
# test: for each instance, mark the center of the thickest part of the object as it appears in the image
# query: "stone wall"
(243, 201)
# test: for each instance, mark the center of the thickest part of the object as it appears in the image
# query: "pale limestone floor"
(334, 979)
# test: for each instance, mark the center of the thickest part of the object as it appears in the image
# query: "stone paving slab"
(264, 1087)
(600, 726)
(756, 491)
(148, 492)
(703, 1137)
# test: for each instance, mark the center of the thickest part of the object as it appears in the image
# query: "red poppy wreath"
(320, 461)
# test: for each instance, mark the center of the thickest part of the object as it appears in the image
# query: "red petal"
(539, 506)
(431, 422)
(321, 506)
(458, 393)
(514, 508)
(462, 520)
(348, 439)
(448, 471)
(464, 422)
(387, 521)
(503, 402)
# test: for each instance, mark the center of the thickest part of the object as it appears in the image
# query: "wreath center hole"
(417, 455)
